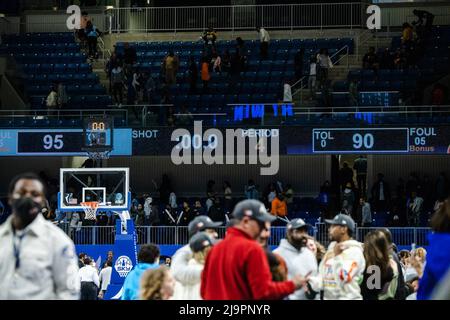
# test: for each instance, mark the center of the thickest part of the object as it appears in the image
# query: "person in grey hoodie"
(341, 269)
(299, 259)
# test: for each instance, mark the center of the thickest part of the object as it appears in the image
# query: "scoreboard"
(293, 140)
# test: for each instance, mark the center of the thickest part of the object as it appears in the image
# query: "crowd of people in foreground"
(241, 266)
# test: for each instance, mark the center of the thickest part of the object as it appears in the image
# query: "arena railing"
(179, 235)
(233, 18)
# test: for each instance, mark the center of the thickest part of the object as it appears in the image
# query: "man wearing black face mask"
(38, 259)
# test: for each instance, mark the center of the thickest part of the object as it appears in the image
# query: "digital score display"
(48, 142)
(360, 140)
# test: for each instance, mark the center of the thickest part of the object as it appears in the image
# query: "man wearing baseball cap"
(299, 259)
(341, 269)
(237, 267)
(180, 268)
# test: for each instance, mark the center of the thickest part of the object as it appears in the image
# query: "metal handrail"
(66, 112)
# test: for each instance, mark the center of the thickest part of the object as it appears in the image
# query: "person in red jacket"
(237, 267)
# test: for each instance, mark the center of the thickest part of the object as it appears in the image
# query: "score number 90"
(364, 141)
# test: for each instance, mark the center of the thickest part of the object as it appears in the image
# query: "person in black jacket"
(381, 193)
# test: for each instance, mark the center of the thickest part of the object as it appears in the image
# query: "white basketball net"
(90, 209)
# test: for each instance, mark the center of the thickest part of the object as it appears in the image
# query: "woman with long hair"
(438, 254)
(380, 277)
(157, 284)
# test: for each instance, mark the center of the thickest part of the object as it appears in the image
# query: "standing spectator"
(187, 214)
(299, 259)
(129, 57)
(38, 259)
(205, 74)
(360, 166)
(170, 64)
(312, 77)
(236, 268)
(415, 206)
(117, 80)
(215, 212)
(92, 34)
(407, 35)
(370, 59)
(148, 258)
(52, 100)
(381, 193)
(89, 281)
(438, 257)
(342, 267)
(264, 39)
(289, 196)
(348, 199)
(216, 62)
(109, 257)
(251, 190)
(62, 97)
(81, 257)
(376, 253)
(193, 75)
(180, 268)
(150, 88)
(156, 284)
(287, 92)
(323, 65)
(279, 206)
(421, 15)
(209, 37)
(227, 197)
(105, 278)
(200, 244)
(366, 214)
(112, 62)
(298, 64)
(198, 209)
(353, 93)
(346, 175)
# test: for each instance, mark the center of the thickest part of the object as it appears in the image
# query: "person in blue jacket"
(148, 258)
(438, 255)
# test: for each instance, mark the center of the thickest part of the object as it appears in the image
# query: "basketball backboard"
(109, 186)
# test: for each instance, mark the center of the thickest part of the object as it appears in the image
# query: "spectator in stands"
(316, 248)
(89, 280)
(400, 59)
(227, 197)
(387, 59)
(415, 207)
(279, 206)
(407, 35)
(376, 253)
(264, 39)
(226, 62)
(137, 85)
(342, 267)
(109, 257)
(117, 80)
(92, 35)
(205, 74)
(129, 57)
(438, 258)
(287, 92)
(312, 77)
(381, 193)
(298, 63)
(299, 259)
(157, 284)
(323, 65)
(110, 64)
(193, 75)
(353, 93)
(271, 193)
(289, 196)
(170, 65)
(209, 37)
(345, 175)
(105, 278)
(200, 244)
(52, 101)
(187, 214)
(429, 18)
(348, 199)
(148, 258)
(360, 166)
(236, 268)
(251, 190)
(216, 212)
(366, 214)
(81, 258)
(180, 267)
(150, 88)
(216, 62)
(62, 96)
(370, 60)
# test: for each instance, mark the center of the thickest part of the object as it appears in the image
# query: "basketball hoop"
(90, 209)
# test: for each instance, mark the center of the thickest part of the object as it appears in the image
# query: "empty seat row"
(76, 57)
(86, 89)
(57, 67)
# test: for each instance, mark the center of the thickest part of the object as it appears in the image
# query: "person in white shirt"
(105, 278)
(323, 63)
(264, 38)
(312, 77)
(287, 92)
(89, 281)
(38, 259)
